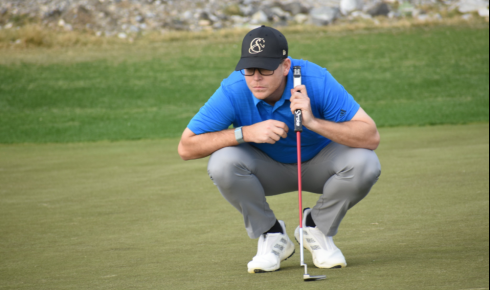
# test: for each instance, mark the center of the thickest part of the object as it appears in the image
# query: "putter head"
(308, 277)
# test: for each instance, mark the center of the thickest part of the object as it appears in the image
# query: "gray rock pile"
(127, 17)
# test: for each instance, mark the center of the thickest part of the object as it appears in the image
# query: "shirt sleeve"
(216, 115)
(338, 105)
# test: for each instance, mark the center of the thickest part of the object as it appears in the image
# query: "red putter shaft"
(300, 186)
(298, 128)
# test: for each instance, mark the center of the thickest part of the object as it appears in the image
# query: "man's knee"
(372, 166)
(226, 164)
(362, 167)
(360, 172)
(367, 165)
(220, 163)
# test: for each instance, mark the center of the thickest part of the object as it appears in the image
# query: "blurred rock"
(301, 18)
(213, 18)
(113, 17)
(204, 23)
(134, 29)
(188, 15)
(483, 12)
(360, 14)
(247, 10)
(394, 14)
(267, 9)
(406, 9)
(139, 19)
(324, 15)
(468, 6)
(295, 8)
(276, 11)
(259, 17)
(348, 6)
(218, 25)
(379, 9)
(238, 19)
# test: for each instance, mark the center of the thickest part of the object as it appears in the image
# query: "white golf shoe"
(272, 249)
(322, 248)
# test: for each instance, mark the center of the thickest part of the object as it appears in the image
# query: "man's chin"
(261, 95)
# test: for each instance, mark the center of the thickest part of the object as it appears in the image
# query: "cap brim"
(256, 62)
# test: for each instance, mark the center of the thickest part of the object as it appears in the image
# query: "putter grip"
(298, 121)
(298, 116)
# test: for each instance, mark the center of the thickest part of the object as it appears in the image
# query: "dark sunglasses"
(251, 71)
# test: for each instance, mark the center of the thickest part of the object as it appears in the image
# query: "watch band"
(239, 135)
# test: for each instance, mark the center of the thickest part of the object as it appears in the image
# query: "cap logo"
(257, 46)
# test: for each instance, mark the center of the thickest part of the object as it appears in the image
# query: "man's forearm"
(200, 146)
(355, 133)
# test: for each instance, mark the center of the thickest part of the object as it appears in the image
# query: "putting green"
(132, 215)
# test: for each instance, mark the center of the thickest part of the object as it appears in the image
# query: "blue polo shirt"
(234, 103)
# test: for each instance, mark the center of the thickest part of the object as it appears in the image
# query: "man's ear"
(287, 66)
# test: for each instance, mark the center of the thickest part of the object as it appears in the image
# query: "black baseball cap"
(263, 47)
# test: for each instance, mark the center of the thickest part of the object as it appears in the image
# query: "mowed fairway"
(132, 215)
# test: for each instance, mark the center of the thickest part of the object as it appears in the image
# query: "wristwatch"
(239, 135)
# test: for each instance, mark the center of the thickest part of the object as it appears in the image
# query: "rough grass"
(132, 215)
(405, 76)
(35, 35)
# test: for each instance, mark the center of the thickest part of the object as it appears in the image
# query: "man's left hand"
(300, 101)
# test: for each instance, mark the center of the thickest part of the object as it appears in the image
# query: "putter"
(298, 128)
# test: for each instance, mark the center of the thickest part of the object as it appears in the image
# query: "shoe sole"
(260, 271)
(334, 267)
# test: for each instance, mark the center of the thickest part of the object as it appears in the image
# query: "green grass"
(132, 215)
(413, 76)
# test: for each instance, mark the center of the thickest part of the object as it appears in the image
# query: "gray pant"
(245, 176)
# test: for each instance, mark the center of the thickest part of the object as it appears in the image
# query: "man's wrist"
(246, 134)
(312, 125)
(321, 127)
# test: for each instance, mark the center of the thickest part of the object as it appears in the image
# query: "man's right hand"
(269, 131)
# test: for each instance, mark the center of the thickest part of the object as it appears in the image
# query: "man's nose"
(257, 75)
